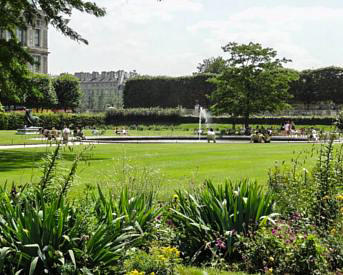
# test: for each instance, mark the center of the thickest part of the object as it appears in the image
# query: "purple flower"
(170, 222)
(274, 231)
(220, 244)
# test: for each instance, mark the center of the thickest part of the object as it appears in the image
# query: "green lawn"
(170, 166)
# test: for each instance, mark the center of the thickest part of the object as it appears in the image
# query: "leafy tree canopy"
(42, 93)
(319, 85)
(14, 74)
(213, 65)
(67, 88)
(253, 81)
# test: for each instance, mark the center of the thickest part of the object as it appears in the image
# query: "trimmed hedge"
(145, 116)
(168, 92)
(13, 120)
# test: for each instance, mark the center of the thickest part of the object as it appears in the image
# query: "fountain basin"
(114, 139)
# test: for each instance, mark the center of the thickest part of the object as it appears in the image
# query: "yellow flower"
(135, 272)
(333, 231)
(271, 259)
(339, 197)
(175, 198)
(269, 271)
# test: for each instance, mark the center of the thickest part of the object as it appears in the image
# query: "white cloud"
(283, 28)
(123, 39)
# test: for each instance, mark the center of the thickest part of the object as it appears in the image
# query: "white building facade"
(103, 90)
(35, 38)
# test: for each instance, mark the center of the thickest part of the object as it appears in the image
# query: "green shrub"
(144, 116)
(281, 250)
(314, 193)
(138, 211)
(210, 219)
(41, 232)
(158, 260)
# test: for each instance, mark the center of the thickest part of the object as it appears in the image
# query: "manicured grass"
(10, 138)
(174, 165)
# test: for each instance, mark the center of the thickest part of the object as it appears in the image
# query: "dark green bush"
(168, 92)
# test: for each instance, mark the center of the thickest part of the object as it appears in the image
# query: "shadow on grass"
(14, 160)
(11, 160)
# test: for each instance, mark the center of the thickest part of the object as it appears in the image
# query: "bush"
(312, 194)
(158, 260)
(210, 219)
(144, 116)
(41, 232)
(281, 250)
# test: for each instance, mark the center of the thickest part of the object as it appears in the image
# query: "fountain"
(202, 114)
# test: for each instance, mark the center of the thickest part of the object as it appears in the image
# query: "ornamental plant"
(209, 220)
(43, 233)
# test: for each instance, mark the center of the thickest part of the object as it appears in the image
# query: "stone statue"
(30, 120)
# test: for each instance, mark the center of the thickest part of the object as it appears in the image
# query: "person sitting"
(313, 135)
(54, 133)
(117, 131)
(78, 133)
(211, 135)
(267, 136)
(257, 137)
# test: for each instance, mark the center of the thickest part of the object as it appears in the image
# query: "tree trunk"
(246, 120)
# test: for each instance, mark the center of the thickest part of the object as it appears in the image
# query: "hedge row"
(12, 121)
(168, 92)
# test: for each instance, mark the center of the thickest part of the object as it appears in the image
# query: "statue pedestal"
(29, 131)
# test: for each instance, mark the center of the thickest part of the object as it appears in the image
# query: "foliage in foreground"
(42, 232)
(307, 238)
(230, 226)
(209, 220)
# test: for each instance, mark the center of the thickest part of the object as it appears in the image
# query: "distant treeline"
(168, 92)
(313, 86)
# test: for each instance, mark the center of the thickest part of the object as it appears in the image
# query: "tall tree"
(17, 14)
(253, 81)
(213, 65)
(67, 88)
(42, 95)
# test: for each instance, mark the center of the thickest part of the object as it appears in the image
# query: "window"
(36, 38)
(21, 36)
(2, 34)
(37, 65)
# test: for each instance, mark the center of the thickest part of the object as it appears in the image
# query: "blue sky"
(171, 37)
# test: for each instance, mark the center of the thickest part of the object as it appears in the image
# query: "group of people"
(53, 134)
(261, 135)
(121, 132)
